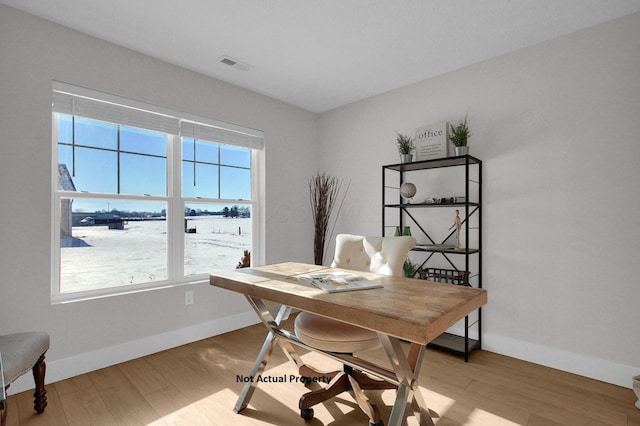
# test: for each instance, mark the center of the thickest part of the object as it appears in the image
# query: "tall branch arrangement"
(324, 191)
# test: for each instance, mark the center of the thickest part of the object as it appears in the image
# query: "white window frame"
(78, 101)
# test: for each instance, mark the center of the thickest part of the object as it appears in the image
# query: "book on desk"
(339, 281)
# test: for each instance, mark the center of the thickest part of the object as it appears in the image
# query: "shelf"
(452, 343)
(422, 205)
(445, 250)
(432, 164)
(463, 267)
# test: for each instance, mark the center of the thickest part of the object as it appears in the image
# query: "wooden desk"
(403, 309)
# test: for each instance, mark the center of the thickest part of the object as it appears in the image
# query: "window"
(145, 197)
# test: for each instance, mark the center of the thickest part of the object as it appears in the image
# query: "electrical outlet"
(188, 297)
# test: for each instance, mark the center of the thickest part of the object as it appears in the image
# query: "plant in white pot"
(459, 136)
(405, 146)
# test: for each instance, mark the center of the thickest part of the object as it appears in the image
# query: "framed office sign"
(431, 141)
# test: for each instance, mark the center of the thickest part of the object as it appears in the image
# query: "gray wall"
(558, 127)
(556, 124)
(89, 334)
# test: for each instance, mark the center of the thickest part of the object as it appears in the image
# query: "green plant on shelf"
(459, 135)
(409, 268)
(404, 143)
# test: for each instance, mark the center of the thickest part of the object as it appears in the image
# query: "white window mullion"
(175, 209)
(257, 209)
(55, 212)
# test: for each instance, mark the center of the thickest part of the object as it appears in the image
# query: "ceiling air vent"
(227, 60)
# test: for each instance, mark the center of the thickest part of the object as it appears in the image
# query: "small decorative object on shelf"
(405, 146)
(431, 141)
(458, 225)
(459, 136)
(407, 191)
(407, 231)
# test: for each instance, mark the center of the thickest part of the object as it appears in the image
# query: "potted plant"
(405, 146)
(459, 136)
(409, 269)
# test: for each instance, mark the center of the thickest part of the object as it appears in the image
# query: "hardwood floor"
(197, 384)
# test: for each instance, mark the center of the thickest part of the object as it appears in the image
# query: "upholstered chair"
(382, 255)
(20, 353)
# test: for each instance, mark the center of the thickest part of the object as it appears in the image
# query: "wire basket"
(450, 276)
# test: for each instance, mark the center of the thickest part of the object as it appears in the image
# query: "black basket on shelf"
(450, 276)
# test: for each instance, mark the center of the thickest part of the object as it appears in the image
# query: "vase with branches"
(324, 192)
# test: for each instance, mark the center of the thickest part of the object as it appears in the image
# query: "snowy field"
(106, 258)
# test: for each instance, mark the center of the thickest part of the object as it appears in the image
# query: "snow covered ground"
(139, 254)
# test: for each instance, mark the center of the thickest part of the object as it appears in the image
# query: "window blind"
(82, 102)
(220, 135)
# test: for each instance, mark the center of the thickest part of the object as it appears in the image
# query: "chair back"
(382, 255)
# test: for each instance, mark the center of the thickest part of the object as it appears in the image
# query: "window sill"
(63, 298)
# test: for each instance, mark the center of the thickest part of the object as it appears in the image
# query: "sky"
(105, 158)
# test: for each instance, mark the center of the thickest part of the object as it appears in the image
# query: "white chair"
(382, 255)
(20, 353)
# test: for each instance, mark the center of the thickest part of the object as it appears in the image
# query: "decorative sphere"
(407, 190)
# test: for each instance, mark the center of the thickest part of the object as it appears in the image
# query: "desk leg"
(258, 368)
(407, 369)
(267, 349)
(271, 323)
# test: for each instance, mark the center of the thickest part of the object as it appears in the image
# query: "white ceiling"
(321, 54)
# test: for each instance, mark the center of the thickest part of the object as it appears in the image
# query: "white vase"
(461, 150)
(406, 158)
(636, 389)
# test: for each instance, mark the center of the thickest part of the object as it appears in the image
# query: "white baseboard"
(65, 368)
(572, 362)
(583, 365)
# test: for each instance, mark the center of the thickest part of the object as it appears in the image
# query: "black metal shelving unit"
(456, 274)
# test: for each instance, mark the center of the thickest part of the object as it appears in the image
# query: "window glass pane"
(187, 148)
(142, 174)
(143, 141)
(96, 133)
(235, 156)
(205, 184)
(111, 243)
(96, 170)
(216, 236)
(65, 128)
(65, 156)
(206, 152)
(235, 183)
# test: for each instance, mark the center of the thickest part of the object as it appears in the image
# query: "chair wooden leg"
(3, 413)
(347, 380)
(311, 373)
(367, 383)
(40, 394)
(339, 384)
(364, 403)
